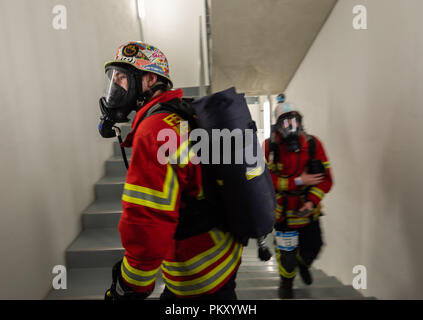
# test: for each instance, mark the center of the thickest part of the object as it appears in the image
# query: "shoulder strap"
(311, 146)
(273, 145)
(182, 108)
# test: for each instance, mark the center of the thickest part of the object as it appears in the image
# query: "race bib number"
(287, 241)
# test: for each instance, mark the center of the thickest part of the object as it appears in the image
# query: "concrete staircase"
(97, 248)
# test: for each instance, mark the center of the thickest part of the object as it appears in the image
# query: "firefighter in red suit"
(196, 259)
(300, 184)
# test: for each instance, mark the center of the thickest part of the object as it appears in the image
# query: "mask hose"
(122, 149)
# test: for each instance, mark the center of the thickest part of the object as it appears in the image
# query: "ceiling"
(257, 45)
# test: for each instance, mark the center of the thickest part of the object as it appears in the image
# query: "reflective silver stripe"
(217, 234)
(210, 280)
(187, 268)
(148, 197)
(318, 192)
(136, 277)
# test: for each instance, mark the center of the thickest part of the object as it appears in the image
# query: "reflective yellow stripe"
(290, 213)
(208, 281)
(279, 208)
(326, 164)
(272, 167)
(283, 184)
(316, 212)
(282, 270)
(187, 158)
(215, 234)
(188, 269)
(254, 172)
(184, 153)
(137, 277)
(162, 200)
(182, 150)
(317, 192)
(200, 194)
(298, 222)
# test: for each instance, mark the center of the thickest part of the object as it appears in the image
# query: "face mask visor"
(117, 91)
(289, 124)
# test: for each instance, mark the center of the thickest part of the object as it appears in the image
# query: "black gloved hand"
(264, 253)
(119, 290)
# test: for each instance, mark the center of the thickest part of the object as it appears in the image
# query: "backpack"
(240, 198)
(314, 165)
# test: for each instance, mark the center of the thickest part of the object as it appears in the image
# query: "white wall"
(361, 92)
(173, 26)
(50, 152)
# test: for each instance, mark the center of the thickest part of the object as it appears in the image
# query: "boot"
(305, 274)
(285, 288)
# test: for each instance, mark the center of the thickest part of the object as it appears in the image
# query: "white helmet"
(282, 108)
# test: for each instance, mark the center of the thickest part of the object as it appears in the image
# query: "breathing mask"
(123, 92)
(289, 125)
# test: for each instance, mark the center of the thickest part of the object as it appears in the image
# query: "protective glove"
(119, 290)
(264, 253)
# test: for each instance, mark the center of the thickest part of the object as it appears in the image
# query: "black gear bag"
(242, 192)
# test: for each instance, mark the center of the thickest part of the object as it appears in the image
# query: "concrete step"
(102, 214)
(118, 152)
(115, 166)
(310, 292)
(272, 281)
(95, 248)
(125, 128)
(109, 188)
(92, 283)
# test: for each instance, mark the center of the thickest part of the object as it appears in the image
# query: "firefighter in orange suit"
(301, 176)
(196, 259)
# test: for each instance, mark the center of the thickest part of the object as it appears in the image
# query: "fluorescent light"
(141, 9)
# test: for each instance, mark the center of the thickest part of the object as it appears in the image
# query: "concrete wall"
(50, 152)
(360, 91)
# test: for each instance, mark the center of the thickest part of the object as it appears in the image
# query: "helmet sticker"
(143, 57)
(130, 50)
(126, 59)
(154, 68)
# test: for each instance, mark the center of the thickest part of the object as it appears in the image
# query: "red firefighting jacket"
(289, 164)
(151, 200)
